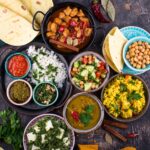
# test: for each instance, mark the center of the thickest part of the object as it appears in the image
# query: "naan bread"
(14, 29)
(38, 5)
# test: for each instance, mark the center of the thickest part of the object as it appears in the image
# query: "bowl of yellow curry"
(83, 112)
(125, 97)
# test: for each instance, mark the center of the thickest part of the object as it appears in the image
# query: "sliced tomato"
(98, 74)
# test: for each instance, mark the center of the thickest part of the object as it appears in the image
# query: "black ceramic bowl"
(48, 15)
(147, 96)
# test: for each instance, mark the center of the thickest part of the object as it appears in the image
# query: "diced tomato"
(84, 60)
(75, 115)
(81, 24)
(73, 23)
(98, 74)
(101, 65)
(85, 25)
(61, 29)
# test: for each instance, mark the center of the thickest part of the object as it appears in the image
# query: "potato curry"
(70, 26)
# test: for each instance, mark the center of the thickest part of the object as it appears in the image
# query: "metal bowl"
(144, 109)
(99, 123)
(83, 54)
(48, 15)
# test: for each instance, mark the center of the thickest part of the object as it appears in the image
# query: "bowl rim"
(101, 118)
(99, 57)
(56, 98)
(125, 49)
(44, 115)
(57, 7)
(144, 109)
(14, 54)
(8, 95)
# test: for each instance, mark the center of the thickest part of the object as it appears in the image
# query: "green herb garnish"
(132, 82)
(86, 117)
(11, 131)
(134, 96)
(123, 87)
(117, 96)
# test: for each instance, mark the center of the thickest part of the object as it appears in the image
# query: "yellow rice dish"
(124, 96)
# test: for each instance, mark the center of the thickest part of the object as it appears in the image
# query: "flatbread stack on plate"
(112, 49)
(16, 20)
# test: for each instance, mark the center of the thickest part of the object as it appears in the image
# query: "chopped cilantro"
(123, 87)
(117, 96)
(134, 96)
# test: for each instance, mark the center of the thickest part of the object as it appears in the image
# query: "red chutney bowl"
(17, 65)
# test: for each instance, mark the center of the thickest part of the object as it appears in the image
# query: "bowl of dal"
(83, 113)
(125, 97)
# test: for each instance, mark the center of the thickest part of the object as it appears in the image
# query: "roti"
(18, 7)
(112, 49)
(38, 5)
(15, 30)
(105, 50)
(116, 43)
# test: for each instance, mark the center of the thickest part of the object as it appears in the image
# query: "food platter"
(31, 108)
(60, 72)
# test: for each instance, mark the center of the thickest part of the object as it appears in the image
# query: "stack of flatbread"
(113, 49)
(16, 20)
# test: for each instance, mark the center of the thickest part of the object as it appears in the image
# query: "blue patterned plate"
(132, 32)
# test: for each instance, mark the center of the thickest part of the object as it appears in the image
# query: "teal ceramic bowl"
(126, 48)
(6, 65)
(53, 101)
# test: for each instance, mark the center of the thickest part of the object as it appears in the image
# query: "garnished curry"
(83, 112)
(71, 26)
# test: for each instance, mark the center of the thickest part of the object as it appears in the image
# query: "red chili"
(132, 135)
(75, 116)
(18, 66)
(96, 6)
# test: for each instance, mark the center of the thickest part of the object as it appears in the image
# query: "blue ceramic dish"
(40, 104)
(126, 48)
(6, 64)
(131, 32)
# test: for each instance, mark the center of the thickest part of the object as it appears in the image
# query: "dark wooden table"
(129, 12)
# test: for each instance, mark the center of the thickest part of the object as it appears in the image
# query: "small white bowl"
(8, 95)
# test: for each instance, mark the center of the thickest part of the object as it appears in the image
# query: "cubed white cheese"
(60, 136)
(43, 138)
(35, 147)
(31, 136)
(66, 141)
(49, 125)
(37, 129)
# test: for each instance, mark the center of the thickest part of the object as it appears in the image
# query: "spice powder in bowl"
(19, 92)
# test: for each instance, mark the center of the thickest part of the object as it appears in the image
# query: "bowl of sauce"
(17, 65)
(19, 92)
(83, 113)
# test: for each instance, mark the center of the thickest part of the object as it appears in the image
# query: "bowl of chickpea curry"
(136, 54)
(68, 28)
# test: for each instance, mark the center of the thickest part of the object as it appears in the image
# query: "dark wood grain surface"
(129, 12)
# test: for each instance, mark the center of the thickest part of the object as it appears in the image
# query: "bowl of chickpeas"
(136, 54)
